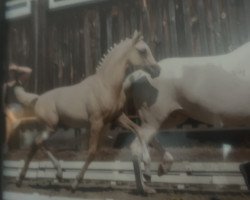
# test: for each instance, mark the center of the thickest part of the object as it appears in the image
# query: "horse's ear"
(136, 37)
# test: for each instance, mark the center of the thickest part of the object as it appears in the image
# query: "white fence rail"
(23, 196)
(17, 8)
(22, 8)
(184, 173)
(56, 4)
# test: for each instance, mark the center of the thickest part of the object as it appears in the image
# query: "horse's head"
(140, 56)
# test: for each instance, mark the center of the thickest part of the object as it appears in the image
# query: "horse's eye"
(143, 51)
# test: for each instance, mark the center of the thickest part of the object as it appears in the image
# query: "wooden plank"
(247, 15)
(225, 167)
(129, 177)
(157, 31)
(35, 27)
(179, 13)
(166, 30)
(42, 45)
(109, 26)
(172, 26)
(146, 25)
(216, 26)
(187, 28)
(121, 18)
(206, 180)
(17, 9)
(242, 22)
(133, 20)
(210, 28)
(97, 38)
(232, 21)
(202, 27)
(87, 44)
(225, 30)
(228, 180)
(56, 4)
(31, 196)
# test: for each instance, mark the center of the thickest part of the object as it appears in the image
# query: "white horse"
(213, 89)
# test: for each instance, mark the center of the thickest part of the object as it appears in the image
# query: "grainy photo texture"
(125, 99)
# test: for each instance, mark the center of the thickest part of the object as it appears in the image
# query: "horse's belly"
(234, 121)
(216, 91)
(71, 122)
(225, 119)
(72, 116)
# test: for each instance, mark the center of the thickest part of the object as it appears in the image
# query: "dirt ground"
(102, 192)
(199, 154)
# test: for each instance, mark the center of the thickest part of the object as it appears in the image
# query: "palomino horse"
(214, 90)
(95, 102)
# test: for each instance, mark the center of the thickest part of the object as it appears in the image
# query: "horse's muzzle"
(153, 70)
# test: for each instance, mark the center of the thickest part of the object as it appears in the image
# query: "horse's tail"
(25, 98)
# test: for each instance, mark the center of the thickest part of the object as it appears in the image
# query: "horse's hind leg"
(95, 131)
(38, 143)
(44, 136)
(35, 146)
(26, 164)
(167, 158)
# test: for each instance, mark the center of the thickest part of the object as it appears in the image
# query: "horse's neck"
(113, 76)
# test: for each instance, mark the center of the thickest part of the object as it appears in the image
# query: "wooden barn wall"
(64, 46)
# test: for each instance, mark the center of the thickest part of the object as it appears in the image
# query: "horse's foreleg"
(141, 186)
(125, 122)
(95, 131)
(139, 150)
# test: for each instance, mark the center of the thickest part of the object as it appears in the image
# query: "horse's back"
(61, 104)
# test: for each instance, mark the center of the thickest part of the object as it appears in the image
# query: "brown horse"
(94, 103)
(15, 117)
(15, 114)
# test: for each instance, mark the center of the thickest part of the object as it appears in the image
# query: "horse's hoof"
(59, 176)
(147, 177)
(74, 186)
(18, 183)
(164, 168)
(160, 171)
(149, 190)
(19, 180)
